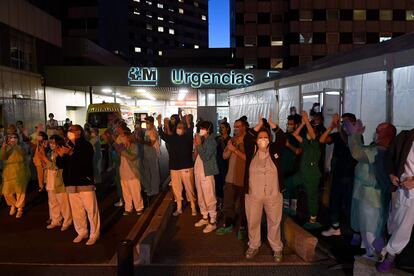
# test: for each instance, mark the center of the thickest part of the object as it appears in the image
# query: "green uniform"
(308, 175)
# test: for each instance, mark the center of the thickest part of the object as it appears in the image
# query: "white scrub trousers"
(84, 208)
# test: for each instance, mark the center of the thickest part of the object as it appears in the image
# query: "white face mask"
(180, 131)
(263, 143)
(71, 136)
(203, 132)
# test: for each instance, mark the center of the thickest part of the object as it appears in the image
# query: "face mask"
(71, 136)
(290, 129)
(236, 132)
(203, 132)
(263, 143)
(180, 131)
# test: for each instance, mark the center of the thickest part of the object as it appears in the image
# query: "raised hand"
(271, 122)
(305, 117)
(335, 120)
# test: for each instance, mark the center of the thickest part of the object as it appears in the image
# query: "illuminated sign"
(197, 79)
(142, 76)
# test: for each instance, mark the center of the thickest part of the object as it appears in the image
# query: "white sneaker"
(201, 222)
(79, 238)
(209, 228)
(177, 213)
(12, 211)
(120, 203)
(331, 232)
(92, 241)
(52, 225)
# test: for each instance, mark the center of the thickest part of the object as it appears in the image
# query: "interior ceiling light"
(106, 90)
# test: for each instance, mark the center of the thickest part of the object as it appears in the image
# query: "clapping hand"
(231, 147)
(357, 128)
(271, 122)
(335, 120)
(305, 117)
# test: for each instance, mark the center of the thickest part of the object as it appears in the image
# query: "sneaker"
(120, 203)
(331, 232)
(65, 227)
(209, 228)
(79, 238)
(312, 226)
(193, 212)
(250, 253)
(278, 256)
(52, 225)
(12, 211)
(92, 241)
(241, 234)
(139, 212)
(19, 213)
(386, 265)
(177, 213)
(126, 213)
(224, 230)
(201, 222)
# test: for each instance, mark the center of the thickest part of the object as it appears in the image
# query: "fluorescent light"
(106, 90)
(141, 90)
(311, 97)
(181, 94)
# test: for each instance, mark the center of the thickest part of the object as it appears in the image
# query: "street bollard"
(125, 258)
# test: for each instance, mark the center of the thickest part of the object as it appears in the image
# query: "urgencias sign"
(152, 76)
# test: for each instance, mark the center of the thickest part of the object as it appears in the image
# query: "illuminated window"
(305, 38)
(171, 21)
(305, 15)
(160, 18)
(136, 11)
(250, 41)
(386, 15)
(137, 49)
(181, 1)
(160, 53)
(160, 6)
(171, 9)
(277, 41)
(148, 2)
(171, 31)
(161, 29)
(359, 38)
(137, 1)
(276, 63)
(385, 37)
(360, 15)
(409, 15)
(149, 27)
(203, 17)
(196, 46)
(149, 15)
(180, 10)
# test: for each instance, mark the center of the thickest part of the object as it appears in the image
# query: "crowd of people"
(238, 173)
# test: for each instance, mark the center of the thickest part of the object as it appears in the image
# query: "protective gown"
(16, 173)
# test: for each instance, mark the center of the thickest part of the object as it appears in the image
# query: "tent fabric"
(403, 97)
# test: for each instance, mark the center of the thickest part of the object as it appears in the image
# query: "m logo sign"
(142, 76)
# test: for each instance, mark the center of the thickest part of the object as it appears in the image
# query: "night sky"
(219, 24)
